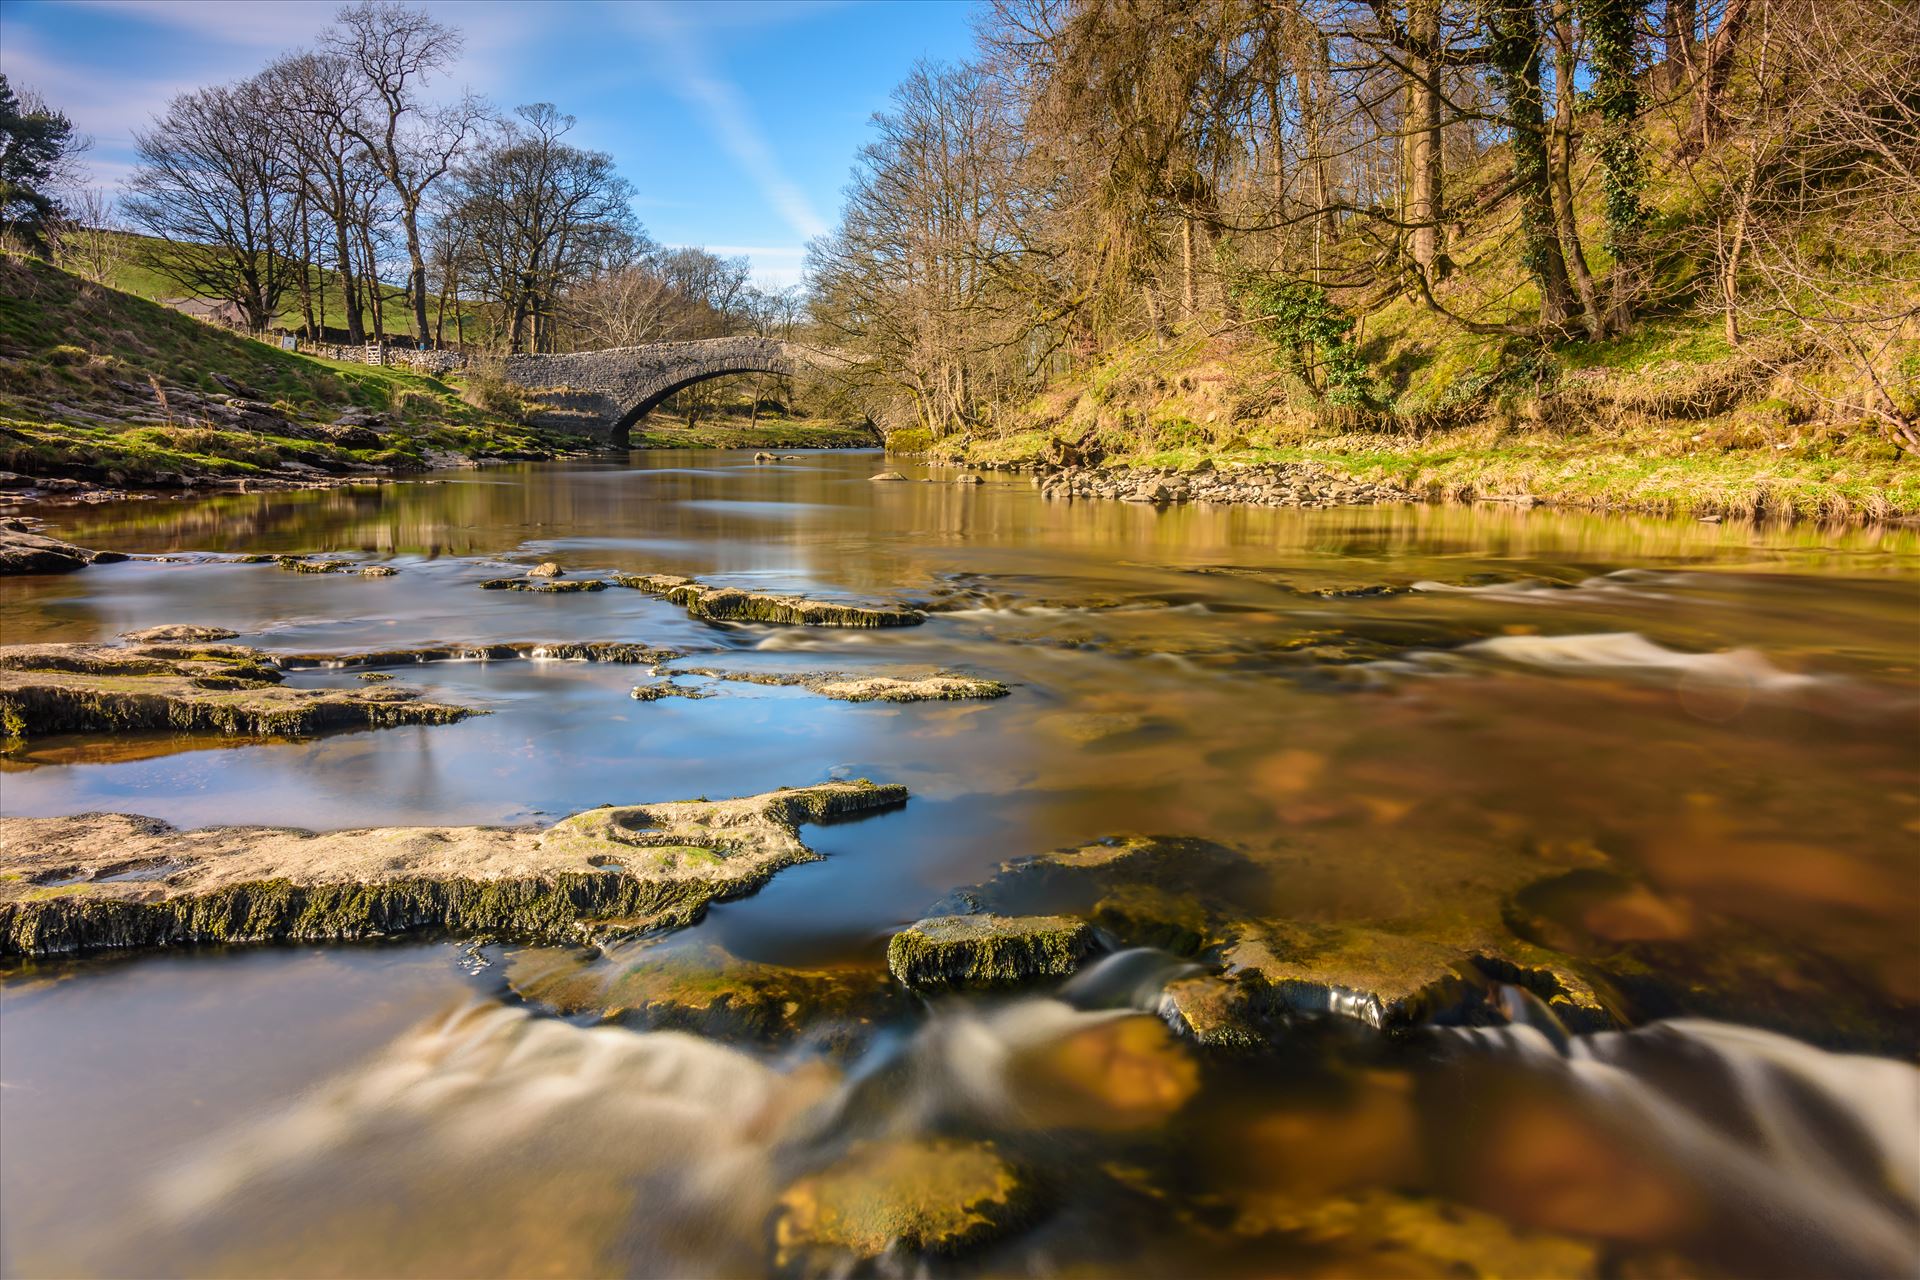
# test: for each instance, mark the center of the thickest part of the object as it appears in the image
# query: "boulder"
(546, 569)
(888, 476)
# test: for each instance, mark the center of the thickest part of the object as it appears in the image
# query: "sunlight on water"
(1677, 760)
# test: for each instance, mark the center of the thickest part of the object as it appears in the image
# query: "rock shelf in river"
(978, 951)
(1197, 898)
(614, 651)
(118, 880)
(24, 551)
(229, 689)
(543, 584)
(732, 604)
(850, 686)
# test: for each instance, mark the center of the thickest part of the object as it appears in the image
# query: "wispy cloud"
(724, 109)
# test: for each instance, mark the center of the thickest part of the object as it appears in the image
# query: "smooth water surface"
(1399, 716)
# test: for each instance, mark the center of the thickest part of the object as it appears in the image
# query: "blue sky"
(736, 120)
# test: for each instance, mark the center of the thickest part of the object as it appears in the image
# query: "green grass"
(142, 270)
(65, 344)
(661, 432)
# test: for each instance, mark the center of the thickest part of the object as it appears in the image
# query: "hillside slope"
(1669, 418)
(100, 386)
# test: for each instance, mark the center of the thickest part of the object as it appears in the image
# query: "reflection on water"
(1682, 754)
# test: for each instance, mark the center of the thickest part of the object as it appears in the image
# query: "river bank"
(1641, 474)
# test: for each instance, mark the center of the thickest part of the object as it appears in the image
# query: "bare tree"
(539, 217)
(214, 184)
(393, 50)
(86, 238)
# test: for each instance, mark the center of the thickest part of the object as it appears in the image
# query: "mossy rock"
(984, 951)
(934, 1196)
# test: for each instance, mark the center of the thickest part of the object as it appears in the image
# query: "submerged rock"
(229, 689)
(116, 880)
(536, 584)
(886, 476)
(730, 604)
(842, 686)
(987, 950)
(378, 571)
(684, 985)
(938, 1196)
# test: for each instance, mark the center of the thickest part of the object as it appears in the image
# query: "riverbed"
(1681, 755)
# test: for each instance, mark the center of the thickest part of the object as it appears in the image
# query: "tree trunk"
(1679, 36)
(1514, 49)
(417, 279)
(1716, 64)
(349, 290)
(1425, 207)
(306, 269)
(1563, 205)
(1189, 303)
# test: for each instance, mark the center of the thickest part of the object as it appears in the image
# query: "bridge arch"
(615, 388)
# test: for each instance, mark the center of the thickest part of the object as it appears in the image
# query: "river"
(1683, 754)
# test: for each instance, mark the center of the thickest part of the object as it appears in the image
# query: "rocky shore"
(117, 880)
(1296, 484)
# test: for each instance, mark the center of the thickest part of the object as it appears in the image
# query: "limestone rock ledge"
(190, 687)
(976, 951)
(24, 551)
(117, 880)
(731, 604)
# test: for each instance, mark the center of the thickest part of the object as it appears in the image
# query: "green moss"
(980, 951)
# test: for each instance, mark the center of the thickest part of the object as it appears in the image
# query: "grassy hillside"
(140, 268)
(1668, 418)
(95, 382)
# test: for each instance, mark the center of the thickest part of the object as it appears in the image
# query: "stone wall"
(432, 363)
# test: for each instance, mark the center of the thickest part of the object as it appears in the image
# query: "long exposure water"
(1682, 754)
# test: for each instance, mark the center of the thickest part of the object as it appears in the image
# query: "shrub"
(486, 388)
(1300, 316)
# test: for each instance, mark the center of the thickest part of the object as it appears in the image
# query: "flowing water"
(1683, 754)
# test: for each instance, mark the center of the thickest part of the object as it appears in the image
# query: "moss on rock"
(843, 686)
(933, 1196)
(227, 689)
(731, 604)
(979, 951)
(150, 884)
(543, 584)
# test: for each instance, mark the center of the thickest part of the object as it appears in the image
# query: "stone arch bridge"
(603, 393)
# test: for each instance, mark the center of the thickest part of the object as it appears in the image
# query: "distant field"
(142, 271)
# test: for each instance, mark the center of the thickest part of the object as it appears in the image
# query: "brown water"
(1684, 754)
